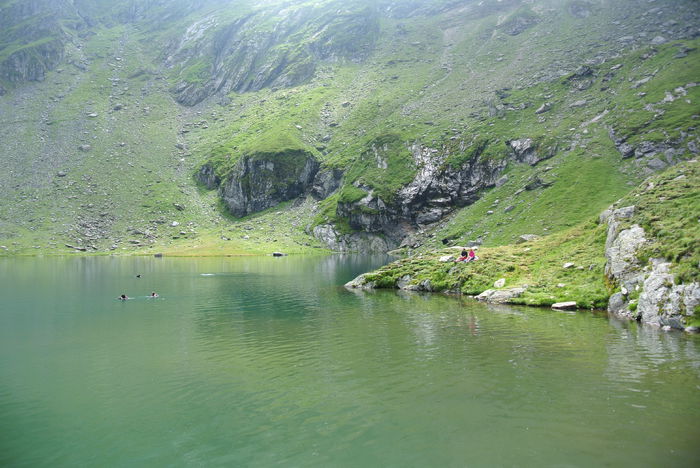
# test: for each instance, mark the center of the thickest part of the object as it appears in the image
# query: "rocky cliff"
(275, 47)
(32, 39)
(661, 290)
(260, 181)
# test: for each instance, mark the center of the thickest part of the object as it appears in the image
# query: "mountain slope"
(415, 119)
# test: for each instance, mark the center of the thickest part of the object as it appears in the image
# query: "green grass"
(536, 265)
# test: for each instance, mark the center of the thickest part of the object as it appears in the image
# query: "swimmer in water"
(123, 297)
(154, 294)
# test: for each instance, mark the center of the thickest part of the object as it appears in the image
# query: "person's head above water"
(123, 296)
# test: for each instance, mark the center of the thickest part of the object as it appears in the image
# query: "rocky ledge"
(649, 292)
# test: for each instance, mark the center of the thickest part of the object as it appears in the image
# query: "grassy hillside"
(100, 155)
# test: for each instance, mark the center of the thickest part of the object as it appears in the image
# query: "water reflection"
(636, 352)
(269, 361)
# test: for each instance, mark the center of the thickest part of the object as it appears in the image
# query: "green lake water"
(271, 362)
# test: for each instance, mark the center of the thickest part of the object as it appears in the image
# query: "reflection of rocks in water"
(635, 351)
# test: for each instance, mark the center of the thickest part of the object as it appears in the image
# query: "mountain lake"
(262, 361)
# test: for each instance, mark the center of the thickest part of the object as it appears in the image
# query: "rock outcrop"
(207, 176)
(648, 292)
(244, 57)
(435, 191)
(33, 40)
(530, 152)
(263, 180)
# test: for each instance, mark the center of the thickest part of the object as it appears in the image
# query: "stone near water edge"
(568, 265)
(279, 254)
(360, 283)
(404, 282)
(570, 305)
(499, 283)
(500, 296)
(662, 302)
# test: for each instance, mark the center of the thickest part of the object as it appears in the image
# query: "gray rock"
(544, 108)
(626, 150)
(656, 164)
(664, 303)
(404, 282)
(569, 305)
(645, 148)
(526, 238)
(617, 305)
(207, 177)
(536, 183)
(499, 283)
(360, 283)
(621, 251)
(326, 182)
(500, 296)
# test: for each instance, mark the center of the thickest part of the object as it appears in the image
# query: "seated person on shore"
(467, 256)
